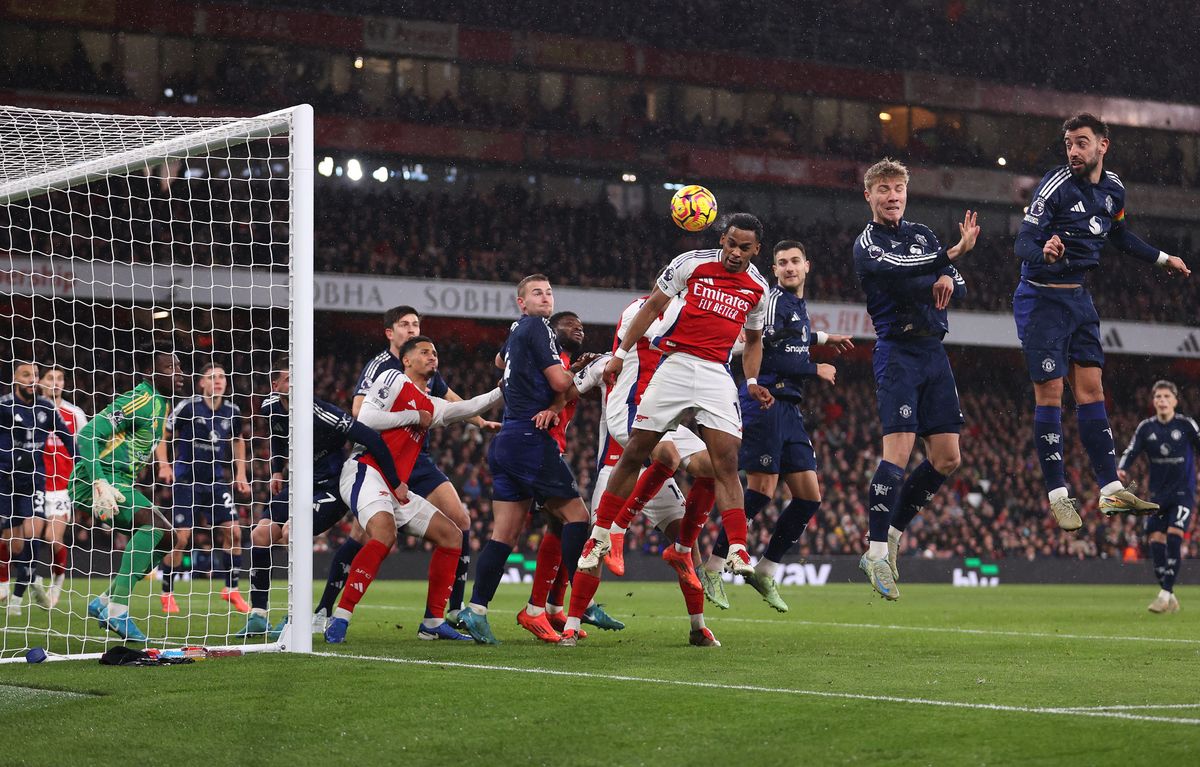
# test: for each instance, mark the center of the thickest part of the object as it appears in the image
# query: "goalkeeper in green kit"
(111, 450)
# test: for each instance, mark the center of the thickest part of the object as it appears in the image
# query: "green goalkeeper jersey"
(120, 440)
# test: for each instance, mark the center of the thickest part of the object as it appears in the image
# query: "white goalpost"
(122, 237)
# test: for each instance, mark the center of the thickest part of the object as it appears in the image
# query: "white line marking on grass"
(757, 688)
(887, 626)
(1144, 707)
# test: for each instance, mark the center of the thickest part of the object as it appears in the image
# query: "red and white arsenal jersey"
(394, 392)
(587, 379)
(559, 430)
(58, 461)
(717, 304)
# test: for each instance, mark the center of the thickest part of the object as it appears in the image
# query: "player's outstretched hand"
(968, 233)
(1175, 264)
(487, 425)
(943, 289)
(762, 396)
(276, 483)
(241, 486)
(545, 419)
(1053, 250)
(827, 372)
(165, 474)
(425, 419)
(840, 343)
(582, 361)
(106, 500)
(612, 370)
(401, 493)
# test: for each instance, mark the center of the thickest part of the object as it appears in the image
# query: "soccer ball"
(693, 208)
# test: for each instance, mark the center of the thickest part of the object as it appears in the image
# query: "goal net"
(128, 242)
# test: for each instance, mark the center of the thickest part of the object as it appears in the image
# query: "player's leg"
(265, 534)
(922, 484)
(37, 542)
(664, 462)
(381, 537)
(723, 442)
(9, 539)
(534, 617)
(1175, 553)
(621, 484)
(339, 570)
(58, 513)
(21, 544)
(446, 500)
(148, 544)
(1156, 533)
(446, 536)
(183, 511)
(228, 530)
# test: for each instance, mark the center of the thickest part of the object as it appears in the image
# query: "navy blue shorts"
(213, 502)
(774, 441)
(1057, 326)
(426, 476)
(528, 465)
(914, 387)
(1173, 514)
(16, 506)
(327, 506)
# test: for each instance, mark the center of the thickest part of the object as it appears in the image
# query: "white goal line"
(1037, 710)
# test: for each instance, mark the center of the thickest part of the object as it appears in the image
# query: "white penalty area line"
(719, 618)
(1103, 714)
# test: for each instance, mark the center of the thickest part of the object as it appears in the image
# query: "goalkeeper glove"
(105, 499)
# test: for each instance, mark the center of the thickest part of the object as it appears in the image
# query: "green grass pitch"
(1013, 675)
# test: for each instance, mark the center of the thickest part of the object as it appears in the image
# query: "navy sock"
(1097, 439)
(882, 498)
(234, 574)
(460, 574)
(755, 502)
(221, 562)
(339, 570)
(1048, 442)
(168, 577)
(1158, 553)
(489, 568)
(790, 527)
(574, 535)
(260, 576)
(21, 567)
(916, 493)
(1174, 560)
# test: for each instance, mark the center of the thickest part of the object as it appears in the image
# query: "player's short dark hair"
(212, 365)
(393, 315)
(539, 277)
(1086, 120)
(280, 366)
(560, 316)
(411, 344)
(747, 222)
(1168, 385)
(789, 245)
(22, 361)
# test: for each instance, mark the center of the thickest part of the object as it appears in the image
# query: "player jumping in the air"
(906, 273)
(27, 422)
(112, 449)
(723, 292)
(1075, 209)
(1171, 443)
(206, 432)
(332, 428)
(59, 462)
(775, 441)
(399, 409)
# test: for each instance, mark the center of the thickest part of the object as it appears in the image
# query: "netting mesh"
(122, 238)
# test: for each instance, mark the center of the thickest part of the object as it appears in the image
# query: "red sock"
(693, 598)
(560, 588)
(583, 588)
(3, 561)
(734, 522)
(696, 507)
(442, 570)
(610, 506)
(59, 565)
(362, 572)
(549, 559)
(647, 487)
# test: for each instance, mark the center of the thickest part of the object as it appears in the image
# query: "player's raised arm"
(376, 412)
(446, 413)
(1131, 245)
(1137, 444)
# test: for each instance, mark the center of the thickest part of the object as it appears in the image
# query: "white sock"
(572, 623)
(258, 611)
(714, 564)
(768, 568)
(697, 621)
(477, 609)
(58, 580)
(432, 623)
(1164, 594)
(533, 610)
(1111, 488)
(116, 611)
(894, 532)
(878, 550)
(591, 604)
(600, 534)
(688, 550)
(104, 599)
(553, 609)
(616, 530)
(339, 612)
(1058, 494)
